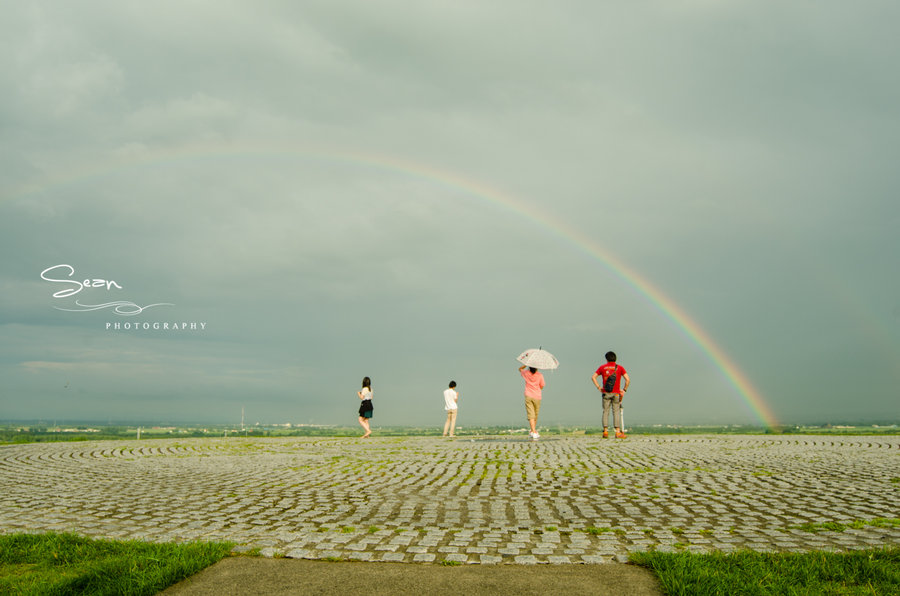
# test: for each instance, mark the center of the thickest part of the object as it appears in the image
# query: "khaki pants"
(611, 400)
(532, 408)
(451, 422)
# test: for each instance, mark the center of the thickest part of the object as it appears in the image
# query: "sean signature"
(74, 286)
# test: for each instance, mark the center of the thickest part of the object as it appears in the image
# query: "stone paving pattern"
(563, 499)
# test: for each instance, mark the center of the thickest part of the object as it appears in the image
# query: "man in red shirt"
(613, 392)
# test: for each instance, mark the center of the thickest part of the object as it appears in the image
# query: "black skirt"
(366, 408)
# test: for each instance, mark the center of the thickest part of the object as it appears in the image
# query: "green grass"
(881, 522)
(750, 573)
(36, 564)
(32, 564)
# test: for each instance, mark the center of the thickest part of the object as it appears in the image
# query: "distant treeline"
(12, 434)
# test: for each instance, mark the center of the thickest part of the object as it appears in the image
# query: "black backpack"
(610, 383)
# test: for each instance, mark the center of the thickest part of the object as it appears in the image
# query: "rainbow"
(736, 378)
(569, 235)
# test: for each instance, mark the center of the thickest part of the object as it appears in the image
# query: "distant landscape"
(40, 431)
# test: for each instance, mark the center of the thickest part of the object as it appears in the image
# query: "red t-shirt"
(609, 368)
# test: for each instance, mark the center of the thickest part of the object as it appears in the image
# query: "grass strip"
(45, 564)
(881, 522)
(873, 571)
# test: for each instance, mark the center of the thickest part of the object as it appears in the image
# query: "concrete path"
(276, 577)
(487, 500)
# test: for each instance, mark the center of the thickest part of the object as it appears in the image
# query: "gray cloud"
(366, 189)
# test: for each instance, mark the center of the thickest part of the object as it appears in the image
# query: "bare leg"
(364, 422)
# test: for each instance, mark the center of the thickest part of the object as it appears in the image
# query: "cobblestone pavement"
(563, 499)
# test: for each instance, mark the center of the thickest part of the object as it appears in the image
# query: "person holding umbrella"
(534, 383)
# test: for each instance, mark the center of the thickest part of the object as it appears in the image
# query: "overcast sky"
(329, 190)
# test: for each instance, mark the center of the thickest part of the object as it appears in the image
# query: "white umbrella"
(538, 358)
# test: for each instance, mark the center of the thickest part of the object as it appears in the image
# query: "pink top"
(534, 382)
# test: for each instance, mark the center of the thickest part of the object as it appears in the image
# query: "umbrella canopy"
(538, 358)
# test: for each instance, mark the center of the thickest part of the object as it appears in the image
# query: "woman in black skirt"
(365, 405)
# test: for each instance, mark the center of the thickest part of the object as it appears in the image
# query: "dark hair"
(610, 356)
(452, 384)
(367, 382)
(532, 369)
